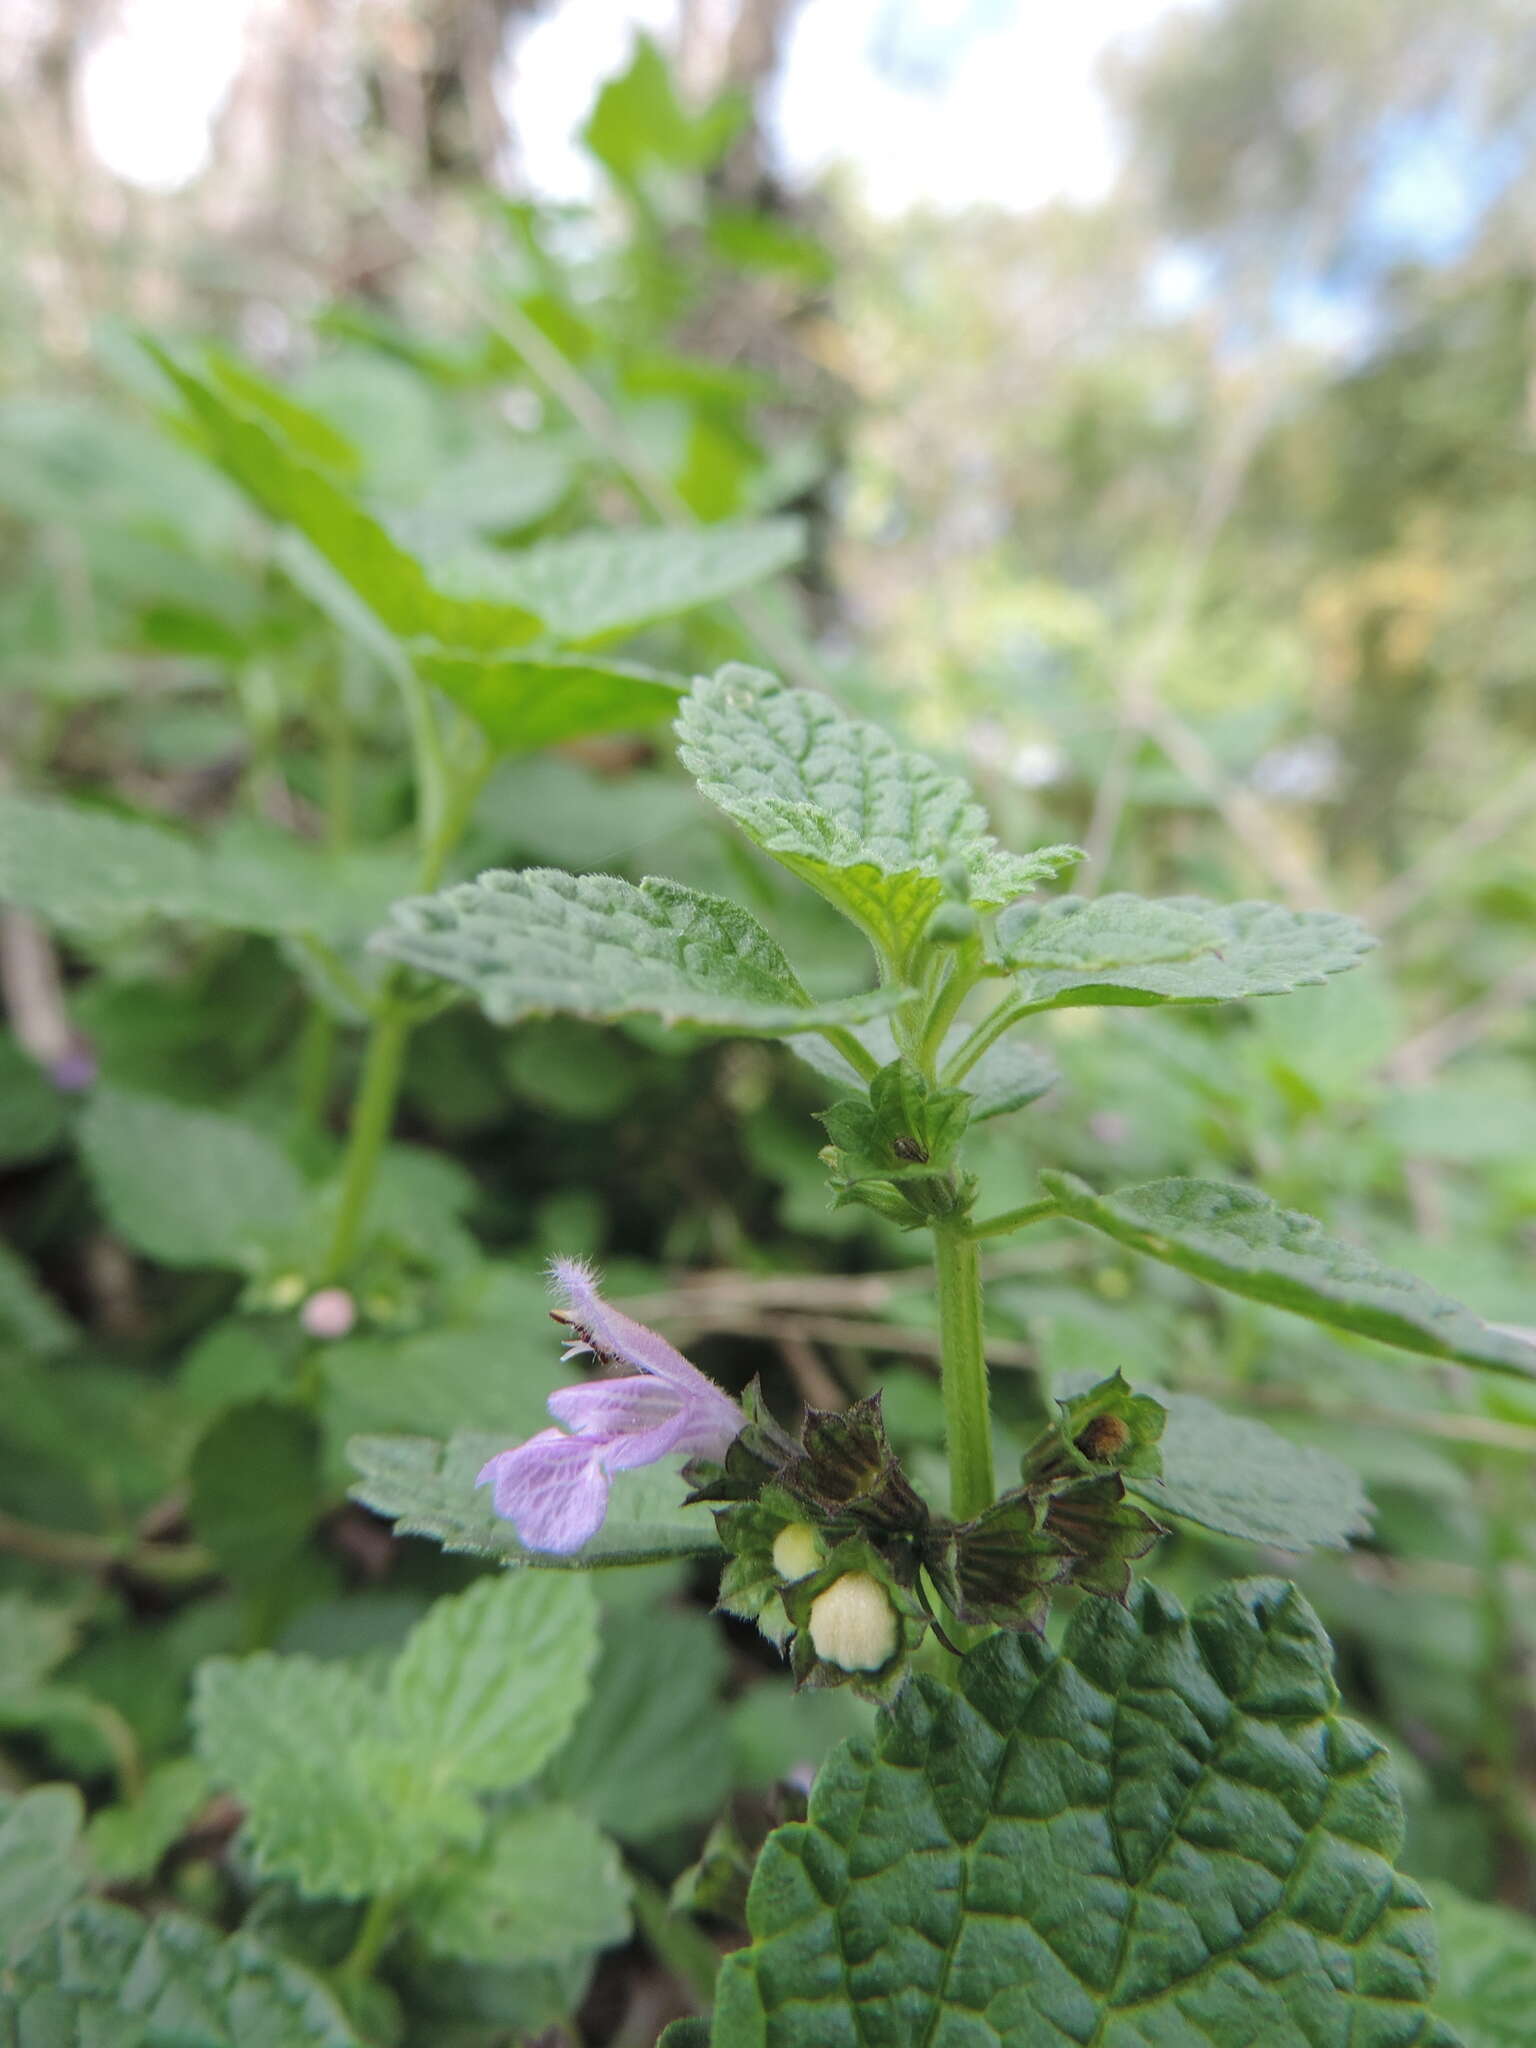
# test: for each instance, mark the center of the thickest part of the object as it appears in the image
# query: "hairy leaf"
(868, 824)
(85, 868)
(527, 701)
(428, 1489)
(1487, 1970)
(1237, 1238)
(1163, 1836)
(540, 942)
(104, 1978)
(546, 1885)
(1131, 949)
(187, 1186)
(592, 584)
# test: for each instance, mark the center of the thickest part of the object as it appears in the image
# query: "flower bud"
(330, 1313)
(796, 1551)
(853, 1624)
(952, 924)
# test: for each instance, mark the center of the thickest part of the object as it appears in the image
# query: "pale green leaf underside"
(592, 584)
(1131, 949)
(539, 943)
(527, 701)
(86, 870)
(547, 1885)
(860, 818)
(103, 1977)
(428, 1489)
(1162, 1837)
(40, 1871)
(1008, 1075)
(1240, 1478)
(1487, 1970)
(187, 1186)
(1238, 1239)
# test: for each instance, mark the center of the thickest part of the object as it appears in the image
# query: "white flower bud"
(853, 1624)
(796, 1551)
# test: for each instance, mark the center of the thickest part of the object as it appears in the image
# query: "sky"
(945, 102)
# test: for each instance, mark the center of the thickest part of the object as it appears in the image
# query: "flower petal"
(615, 1407)
(553, 1489)
(619, 1338)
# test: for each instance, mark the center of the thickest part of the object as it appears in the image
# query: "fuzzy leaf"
(1236, 1238)
(84, 868)
(428, 1489)
(539, 942)
(546, 1885)
(527, 701)
(1132, 949)
(489, 1684)
(1165, 1834)
(1487, 1970)
(40, 1871)
(592, 584)
(187, 1186)
(868, 824)
(103, 1977)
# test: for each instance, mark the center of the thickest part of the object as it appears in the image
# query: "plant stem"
(373, 1115)
(863, 1063)
(685, 1949)
(951, 994)
(1009, 1220)
(991, 1028)
(371, 1937)
(967, 1409)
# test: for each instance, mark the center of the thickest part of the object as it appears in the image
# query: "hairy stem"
(863, 1063)
(371, 1937)
(987, 1032)
(967, 1408)
(1009, 1220)
(373, 1116)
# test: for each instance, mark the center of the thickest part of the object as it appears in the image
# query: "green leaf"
(1236, 1238)
(839, 803)
(539, 942)
(104, 1978)
(546, 1885)
(127, 1842)
(1163, 1834)
(490, 1683)
(1132, 949)
(1008, 1075)
(187, 1186)
(40, 1870)
(689, 2033)
(652, 1748)
(528, 701)
(255, 1487)
(87, 869)
(31, 1109)
(332, 1799)
(428, 1489)
(34, 1640)
(30, 1318)
(590, 585)
(1487, 1970)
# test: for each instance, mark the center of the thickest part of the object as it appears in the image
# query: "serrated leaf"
(1133, 949)
(40, 1869)
(1163, 1834)
(84, 868)
(1238, 1239)
(838, 802)
(332, 1801)
(527, 701)
(547, 1885)
(589, 585)
(540, 943)
(1008, 1075)
(428, 1489)
(1487, 1970)
(104, 1978)
(1240, 1478)
(127, 1842)
(187, 1186)
(652, 1748)
(490, 1683)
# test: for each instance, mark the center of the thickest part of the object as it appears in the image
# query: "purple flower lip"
(554, 1488)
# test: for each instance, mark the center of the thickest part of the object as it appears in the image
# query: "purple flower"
(554, 1488)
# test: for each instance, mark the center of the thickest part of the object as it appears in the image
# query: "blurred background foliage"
(1195, 520)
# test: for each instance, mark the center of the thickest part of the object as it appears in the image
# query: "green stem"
(371, 1937)
(1009, 1220)
(317, 1049)
(967, 1410)
(991, 1028)
(373, 1116)
(685, 1950)
(862, 1062)
(952, 993)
